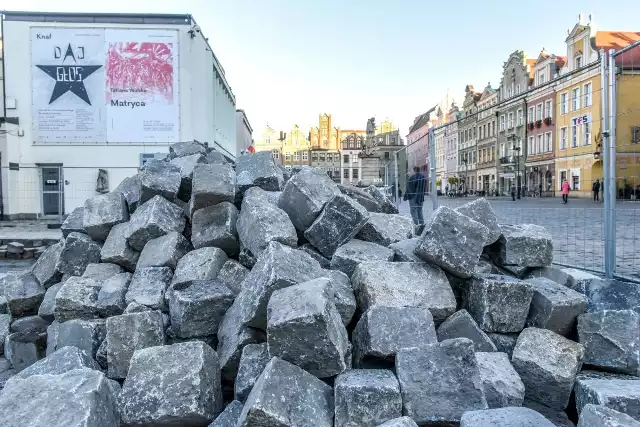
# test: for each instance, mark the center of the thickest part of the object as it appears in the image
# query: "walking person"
(596, 190)
(565, 191)
(414, 193)
(513, 192)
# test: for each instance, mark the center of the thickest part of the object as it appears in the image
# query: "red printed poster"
(141, 78)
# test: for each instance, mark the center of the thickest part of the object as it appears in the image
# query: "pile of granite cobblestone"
(201, 293)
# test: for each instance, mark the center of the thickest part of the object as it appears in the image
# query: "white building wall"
(206, 114)
(244, 132)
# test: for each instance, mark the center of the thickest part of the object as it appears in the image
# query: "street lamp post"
(516, 148)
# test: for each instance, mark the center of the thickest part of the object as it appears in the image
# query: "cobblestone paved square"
(577, 228)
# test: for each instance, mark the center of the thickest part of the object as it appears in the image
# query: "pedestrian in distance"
(565, 191)
(513, 193)
(414, 193)
(596, 190)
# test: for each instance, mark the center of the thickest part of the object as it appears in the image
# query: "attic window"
(578, 61)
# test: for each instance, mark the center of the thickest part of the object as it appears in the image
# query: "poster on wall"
(67, 76)
(100, 85)
(141, 93)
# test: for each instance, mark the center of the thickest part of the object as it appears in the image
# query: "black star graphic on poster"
(69, 78)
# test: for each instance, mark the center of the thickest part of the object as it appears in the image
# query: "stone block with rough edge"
(187, 164)
(340, 221)
(232, 274)
(23, 293)
(524, 245)
(5, 330)
(554, 307)
(116, 250)
(153, 219)
(78, 251)
(305, 194)
(215, 158)
(278, 267)
(78, 398)
(158, 178)
(77, 299)
(252, 362)
(309, 249)
(557, 418)
(400, 422)
(452, 241)
(126, 334)
(611, 340)
(385, 229)
(461, 325)
(216, 226)
(111, 297)
(196, 307)
(164, 251)
(29, 322)
(366, 397)
(613, 294)
(343, 295)
(480, 210)
(622, 395)
(102, 212)
(287, 396)
(305, 328)
(102, 271)
(199, 264)
(502, 384)
(23, 349)
(547, 364)
(187, 148)
(148, 286)
(601, 416)
(498, 303)
(405, 250)
(361, 196)
(45, 269)
(87, 335)
(212, 184)
(258, 170)
(57, 363)
(355, 251)
(260, 222)
(172, 385)
(572, 278)
(382, 331)
(47, 308)
(130, 187)
(73, 223)
(386, 205)
(228, 417)
(505, 417)
(385, 283)
(233, 336)
(450, 370)
(505, 343)
(246, 258)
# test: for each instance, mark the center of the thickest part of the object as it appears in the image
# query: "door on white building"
(52, 190)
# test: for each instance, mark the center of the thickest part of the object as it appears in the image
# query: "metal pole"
(611, 194)
(395, 171)
(432, 165)
(60, 194)
(605, 160)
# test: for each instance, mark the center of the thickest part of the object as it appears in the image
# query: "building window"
(530, 115)
(520, 116)
(322, 157)
(530, 146)
(345, 173)
(267, 140)
(563, 178)
(563, 103)
(296, 156)
(324, 143)
(587, 95)
(287, 156)
(547, 142)
(386, 155)
(538, 112)
(336, 172)
(541, 77)
(563, 138)
(578, 61)
(635, 134)
(586, 133)
(575, 99)
(354, 158)
(502, 123)
(574, 136)
(539, 145)
(314, 157)
(393, 141)
(275, 154)
(354, 173)
(548, 105)
(510, 121)
(517, 89)
(305, 155)
(345, 159)
(575, 179)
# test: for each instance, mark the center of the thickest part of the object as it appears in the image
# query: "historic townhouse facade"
(516, 76)
(467, 140)
(486, 131)
(352, 143)
(295, 148)
(541, 129)
(417, 141)
(439, 141)
(451, 147)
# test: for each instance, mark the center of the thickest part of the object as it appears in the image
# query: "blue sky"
(289, 60)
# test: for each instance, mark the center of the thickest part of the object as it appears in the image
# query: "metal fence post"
(395, 173)
(605, 159)
(611, 194)
(432, 166)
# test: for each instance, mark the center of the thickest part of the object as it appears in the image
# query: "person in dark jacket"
(415, 195)
(596, 190)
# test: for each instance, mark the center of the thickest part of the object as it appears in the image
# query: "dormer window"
(577, 61)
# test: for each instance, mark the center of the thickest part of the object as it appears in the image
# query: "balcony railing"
(507, 160)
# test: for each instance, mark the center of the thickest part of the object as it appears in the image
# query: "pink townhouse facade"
(418, 142)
